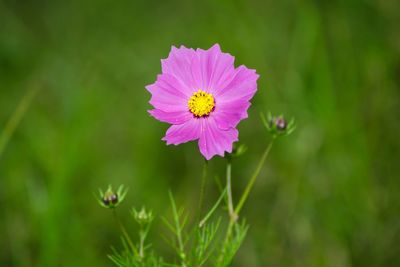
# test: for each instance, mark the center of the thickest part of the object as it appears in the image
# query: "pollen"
(201, 103)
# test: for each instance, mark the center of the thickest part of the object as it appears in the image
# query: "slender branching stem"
(203, 186)
(232, 214)
(253, 178)
(125, 234)
(144, 230)
(208, 215)
(141, 244)
(227, 239)
(178, 231)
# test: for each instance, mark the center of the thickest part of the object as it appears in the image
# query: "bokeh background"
(72, 77)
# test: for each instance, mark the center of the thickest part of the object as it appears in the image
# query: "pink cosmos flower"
(203, 96)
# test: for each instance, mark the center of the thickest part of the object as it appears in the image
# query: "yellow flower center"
(201, 103)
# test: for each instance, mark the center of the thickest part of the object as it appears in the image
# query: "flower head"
(203, 96)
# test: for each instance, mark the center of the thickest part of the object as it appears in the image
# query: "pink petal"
(214, 141)
(177, 117)
(243, 86)
(168, 94)
(188, 131)
(211, 68)
(229, 114)
(178, 64)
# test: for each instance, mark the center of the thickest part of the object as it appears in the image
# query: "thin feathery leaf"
(208, 215)
(230, 248)
(169, 225)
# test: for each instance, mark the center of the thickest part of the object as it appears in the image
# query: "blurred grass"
(16, 117)
(329, 195)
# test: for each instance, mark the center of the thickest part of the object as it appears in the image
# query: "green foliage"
(139, 255)
(205, 243)
(177, 228)
(232, 245)
(197, 245)
(126, 259)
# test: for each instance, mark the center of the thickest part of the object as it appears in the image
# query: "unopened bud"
(110, 199)
(142, 217)
(277, 125)
(280, 123)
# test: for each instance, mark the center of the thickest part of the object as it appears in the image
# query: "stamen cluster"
(201, 103)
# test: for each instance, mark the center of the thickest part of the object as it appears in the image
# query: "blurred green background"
(329, 194)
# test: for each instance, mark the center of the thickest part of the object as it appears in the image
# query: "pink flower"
(203, 96)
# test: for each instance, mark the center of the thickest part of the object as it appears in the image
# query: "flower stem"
(232, 214)
(178, 231)
(203, 186)
(253, 178)
(141, 245)
(208, 215)
(125, 234)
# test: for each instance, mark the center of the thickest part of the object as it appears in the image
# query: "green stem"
(141, 245)
(232, 214)
(125, 234)
(208, 215)
(202, 188)
(178, 231)
(226, 241)
(253, 178)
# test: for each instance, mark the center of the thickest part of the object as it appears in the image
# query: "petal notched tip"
(178, 134)
(214, 141)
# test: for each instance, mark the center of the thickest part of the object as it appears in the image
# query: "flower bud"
(277, 125)
(110, 199)
(142, 217)
(280, 123)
